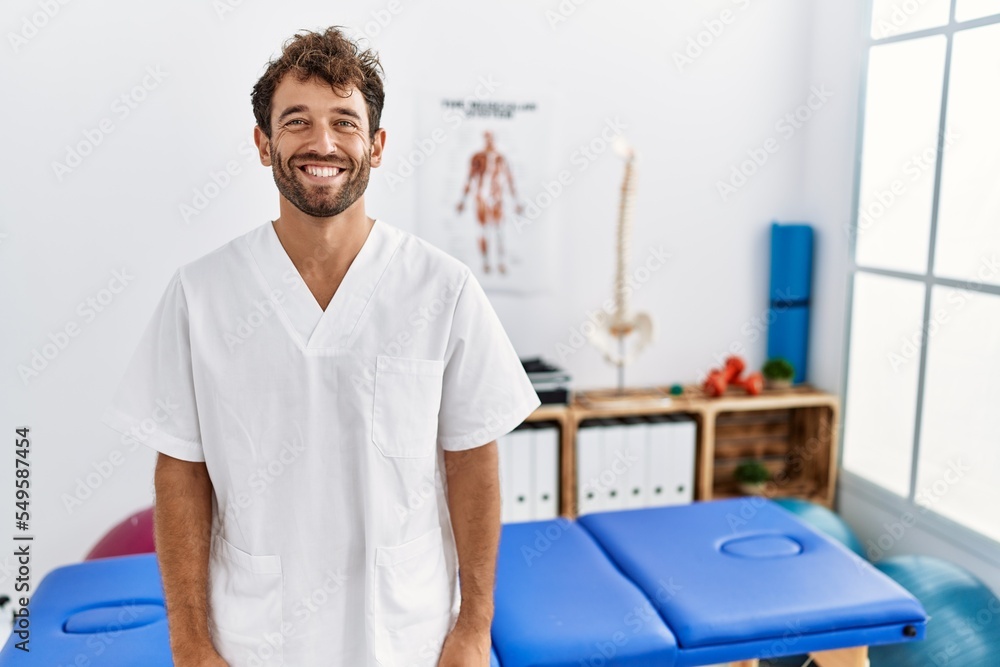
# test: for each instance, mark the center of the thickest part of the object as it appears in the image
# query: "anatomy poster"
(482, 196)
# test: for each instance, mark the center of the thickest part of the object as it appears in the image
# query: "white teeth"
(325, 172)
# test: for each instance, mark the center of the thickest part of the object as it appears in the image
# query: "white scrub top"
(323, 433)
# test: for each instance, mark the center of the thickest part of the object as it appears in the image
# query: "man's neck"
(322, 249)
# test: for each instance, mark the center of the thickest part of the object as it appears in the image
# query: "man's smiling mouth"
(321, 171)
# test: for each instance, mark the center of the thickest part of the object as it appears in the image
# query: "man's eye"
(347, 122)
(296, 120)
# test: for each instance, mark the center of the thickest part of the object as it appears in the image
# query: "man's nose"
(324, 140)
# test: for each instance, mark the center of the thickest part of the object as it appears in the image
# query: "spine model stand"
(610, 335)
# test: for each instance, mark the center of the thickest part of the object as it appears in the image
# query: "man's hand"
(204, 658)
(465, 647)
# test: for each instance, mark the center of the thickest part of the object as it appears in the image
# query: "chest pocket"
(407, 401)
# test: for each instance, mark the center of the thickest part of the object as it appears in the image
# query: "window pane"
(880, 410)
(960, 436)
(966, 10)
(969, 214)
(894, 17)
(902, 115)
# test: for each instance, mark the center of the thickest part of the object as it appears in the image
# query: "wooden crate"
(794, 431)
(794, 444)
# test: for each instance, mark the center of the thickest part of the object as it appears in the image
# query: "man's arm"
(474, 504)
(182, 523)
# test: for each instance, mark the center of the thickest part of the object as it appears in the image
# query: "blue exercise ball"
(823, 520)
(964, 626)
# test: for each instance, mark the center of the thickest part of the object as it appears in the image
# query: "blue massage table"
(712, 582)
(697, 584)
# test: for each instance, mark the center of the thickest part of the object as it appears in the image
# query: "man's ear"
(263, 145)
(378, 145)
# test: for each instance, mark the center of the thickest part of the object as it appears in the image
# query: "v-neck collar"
(309, 325)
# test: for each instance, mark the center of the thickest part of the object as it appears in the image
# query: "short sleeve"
(154, 402)
(485, 393)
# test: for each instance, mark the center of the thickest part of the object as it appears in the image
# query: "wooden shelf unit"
(793, 430)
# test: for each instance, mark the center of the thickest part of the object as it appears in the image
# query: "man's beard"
(321, 201)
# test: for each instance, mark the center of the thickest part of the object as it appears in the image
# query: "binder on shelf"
(635, 453)
(546, 451)
(659, 443)
(683, 460)
(589, 451)
(613, 471)
(523, 479)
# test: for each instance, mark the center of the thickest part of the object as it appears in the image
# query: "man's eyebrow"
(293, 109)
(346, 111)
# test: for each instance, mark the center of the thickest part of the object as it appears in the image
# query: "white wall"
(837, 37)
(118, 210)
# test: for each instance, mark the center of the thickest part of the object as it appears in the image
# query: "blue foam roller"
(791, 262)
(788, 338)
(790, 295)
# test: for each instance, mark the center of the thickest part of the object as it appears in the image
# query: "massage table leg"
(845, 657)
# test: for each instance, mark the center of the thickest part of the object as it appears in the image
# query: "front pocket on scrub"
(244, 597)
(413, 598)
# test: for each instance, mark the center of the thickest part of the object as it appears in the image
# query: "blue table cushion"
(559, 602)
(106, 612)
(745, 570)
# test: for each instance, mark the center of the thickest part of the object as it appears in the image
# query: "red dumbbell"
(734, 367)
(715, 383)
(752, 384)
(718, 379)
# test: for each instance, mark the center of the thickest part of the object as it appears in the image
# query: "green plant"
(752, 472)
(778, 368)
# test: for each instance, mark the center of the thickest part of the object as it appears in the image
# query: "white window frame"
(959, 535)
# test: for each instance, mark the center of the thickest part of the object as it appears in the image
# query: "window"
(922, 404)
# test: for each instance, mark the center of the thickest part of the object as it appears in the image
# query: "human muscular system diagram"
(488, 173)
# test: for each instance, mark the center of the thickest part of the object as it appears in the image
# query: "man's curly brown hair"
(331, 57)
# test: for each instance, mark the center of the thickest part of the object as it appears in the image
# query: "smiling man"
(327, 488)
